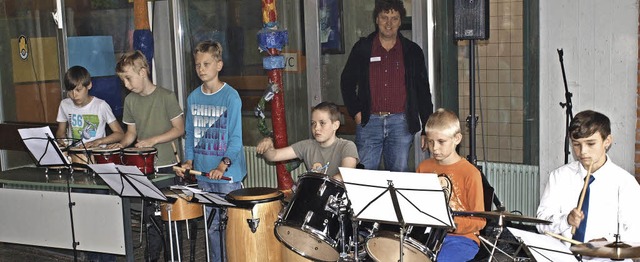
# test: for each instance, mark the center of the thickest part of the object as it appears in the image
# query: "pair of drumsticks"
(191, 172)
(579, 207)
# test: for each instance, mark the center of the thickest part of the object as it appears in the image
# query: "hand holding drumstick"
(197, 173)
(576, 215)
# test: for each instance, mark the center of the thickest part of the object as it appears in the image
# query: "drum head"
(385, 247)
(105, 150)
(254, 195)
(139, 150)
(76, 150)
(306, 244)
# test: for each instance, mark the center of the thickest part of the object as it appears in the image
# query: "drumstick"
(175, 152)
(197, 173)
(584, 190)
(563, 238)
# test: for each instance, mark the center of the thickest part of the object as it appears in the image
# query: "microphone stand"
(568, 106)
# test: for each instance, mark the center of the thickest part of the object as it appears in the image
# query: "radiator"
(261, 173)
(516, 186)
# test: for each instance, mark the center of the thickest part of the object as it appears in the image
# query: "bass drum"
(310, 224)
(420, 243)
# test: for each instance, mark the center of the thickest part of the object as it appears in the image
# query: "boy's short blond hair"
(136, 60)
(444, 121)
(211, 47)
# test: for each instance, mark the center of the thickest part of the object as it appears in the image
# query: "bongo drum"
(107, 155)
(251, 225)
(81, 156)
(144, 158)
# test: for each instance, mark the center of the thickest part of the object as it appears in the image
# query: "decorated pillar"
(271, 40)
(142, 37)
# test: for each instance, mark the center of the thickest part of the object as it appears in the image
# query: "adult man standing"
(385, 88)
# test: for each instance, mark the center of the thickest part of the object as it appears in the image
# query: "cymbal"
(604, 249)
(504, 214)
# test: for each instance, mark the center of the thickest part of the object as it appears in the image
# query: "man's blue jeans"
(214, 229)
(386, 136)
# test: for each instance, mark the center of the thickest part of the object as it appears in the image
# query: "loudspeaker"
(471, 19)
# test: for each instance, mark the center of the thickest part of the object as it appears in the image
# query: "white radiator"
(516, 186)
(261, 173)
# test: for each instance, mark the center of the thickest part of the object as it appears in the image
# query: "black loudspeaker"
(471, 19)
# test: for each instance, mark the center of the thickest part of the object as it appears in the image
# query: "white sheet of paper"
(543, 247)
(127, 187)
(36, 140)
(420, 196)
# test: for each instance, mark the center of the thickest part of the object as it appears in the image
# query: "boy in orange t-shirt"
(464, 190)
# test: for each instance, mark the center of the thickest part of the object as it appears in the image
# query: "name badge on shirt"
(375, 59)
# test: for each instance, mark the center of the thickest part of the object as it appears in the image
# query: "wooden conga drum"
(251, 225)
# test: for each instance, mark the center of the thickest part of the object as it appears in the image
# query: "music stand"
(542, 247)
(206, 198)
(415, 198)
(44, 151)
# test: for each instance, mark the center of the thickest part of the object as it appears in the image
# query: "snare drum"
(81, 156)
(107, 155)
(251, 224)
(420, 243)
(310, 223)
(182, 209)
(144, 158)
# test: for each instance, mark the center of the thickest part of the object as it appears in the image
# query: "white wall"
(600, 43)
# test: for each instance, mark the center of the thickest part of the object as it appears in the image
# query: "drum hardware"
(253, 222)
(500, 216)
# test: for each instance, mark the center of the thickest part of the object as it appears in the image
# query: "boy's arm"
(266, 149)
(61, 132)
(128, 137)
(177, 130)
(116, 135)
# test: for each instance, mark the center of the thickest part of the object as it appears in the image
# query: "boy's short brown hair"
(445, 121)
(211, 47)
(587, 123)
(76, 75)
(329, 107)
(135, 60)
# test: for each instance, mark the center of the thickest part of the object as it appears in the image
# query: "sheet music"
(422, 189)
(109, 173)
(203, 196)
(37, 141)
(543, 247)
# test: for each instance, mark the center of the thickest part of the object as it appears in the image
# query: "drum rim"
(106, 150)
(322, 177)
(254, 199)
(294, 249)
(81, 149)
(138, 150)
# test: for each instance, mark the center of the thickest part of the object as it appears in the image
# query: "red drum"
(144, 158)
(107, 155)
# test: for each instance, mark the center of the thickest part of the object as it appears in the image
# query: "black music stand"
(542, 247)
(129, 181)
(374, 193)
(211, 199)
(45, 152)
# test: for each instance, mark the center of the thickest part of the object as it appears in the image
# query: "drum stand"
(494, 245)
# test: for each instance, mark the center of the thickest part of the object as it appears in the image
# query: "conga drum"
(107, 155)
(251, 225)
(81, 156)
(144, 158)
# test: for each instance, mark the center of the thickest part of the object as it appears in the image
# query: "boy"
(613, 193)
(443, 135)
(213, 142)
(86, 115)
(322, 154)
(154, 119)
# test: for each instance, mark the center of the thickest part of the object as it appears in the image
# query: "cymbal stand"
(494, 245)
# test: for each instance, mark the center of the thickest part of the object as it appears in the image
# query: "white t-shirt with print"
(87, 122)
